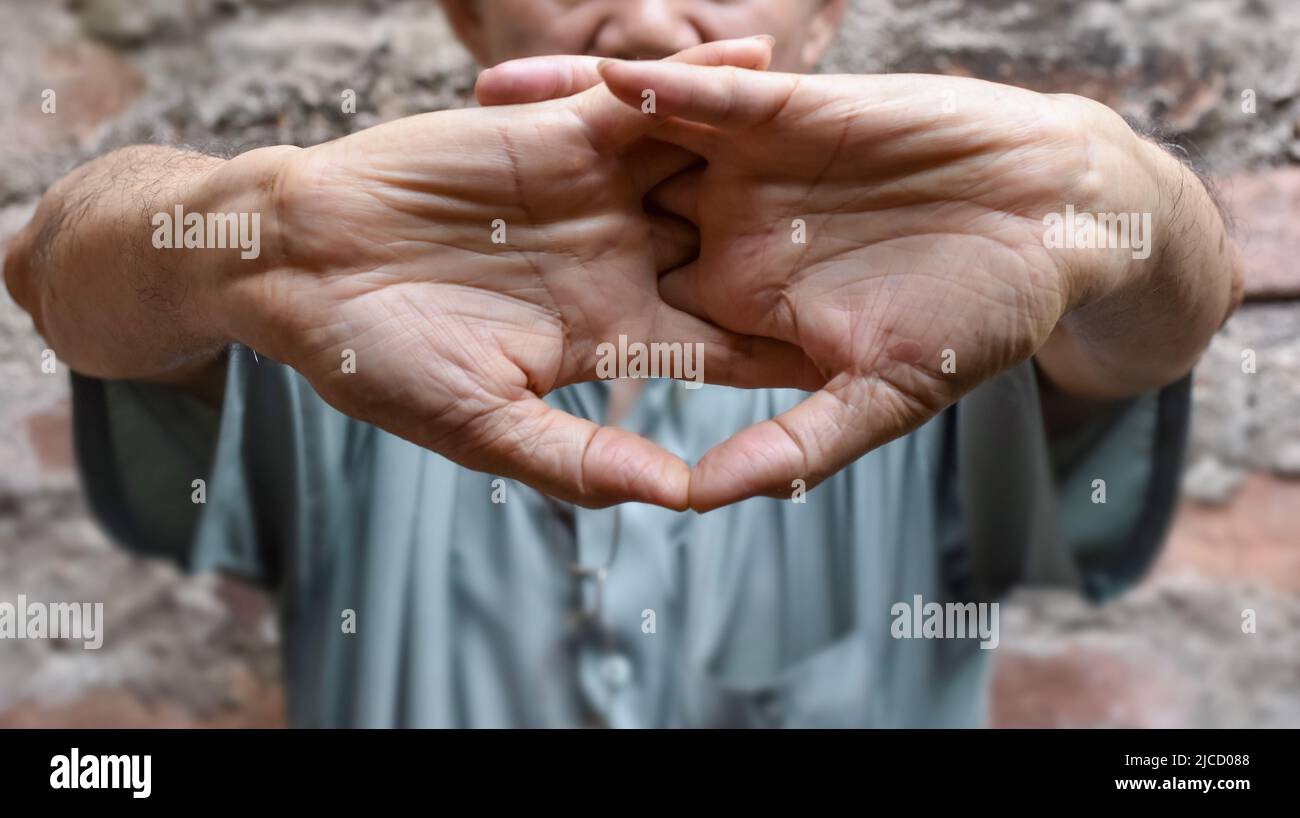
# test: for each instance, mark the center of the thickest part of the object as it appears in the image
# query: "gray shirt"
(479, 602)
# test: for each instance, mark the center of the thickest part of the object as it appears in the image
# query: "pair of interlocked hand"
(922, 201)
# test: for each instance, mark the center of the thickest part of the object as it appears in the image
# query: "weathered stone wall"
(228, 76)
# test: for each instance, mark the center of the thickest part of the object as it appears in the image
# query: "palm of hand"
(903, 253)
(487, 274)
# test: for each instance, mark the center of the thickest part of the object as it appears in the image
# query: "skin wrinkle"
(274, 187)
(569, 353)
(799, 445)
(763, 293)
(838, 151)
(879, 188)
(582, 460)
(567, 347)
(566, 340)
(990, 236)
(1110, 319)
(848, 415)
(918, 407)
(914, 308)
(1006, 157)
(773, 456)
(784, 299)
(485, 415)
(885, 343)
(879, 377)
(781, 107)
(785, 302)
(304, 260)
(887, 276)
(1085, 147)
(529, 437)
(443, 209)
(879, 349)
(983, 235)
(640, 469)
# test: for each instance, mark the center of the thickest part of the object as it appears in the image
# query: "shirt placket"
(604, 670)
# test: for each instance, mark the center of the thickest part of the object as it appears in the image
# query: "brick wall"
(231, 76)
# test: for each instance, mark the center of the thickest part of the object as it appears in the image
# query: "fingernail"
(767, 38)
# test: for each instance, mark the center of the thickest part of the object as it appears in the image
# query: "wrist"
(1194, 246)
(248, 188)
(1119, 229)
(1165, 294)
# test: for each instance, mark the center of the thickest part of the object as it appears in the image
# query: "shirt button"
(617, 670)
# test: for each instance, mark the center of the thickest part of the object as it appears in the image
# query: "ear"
(467, 21)
(821, 32)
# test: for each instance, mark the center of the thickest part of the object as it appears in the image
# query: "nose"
(645, 29)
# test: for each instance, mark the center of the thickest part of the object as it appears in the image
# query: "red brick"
(50, 433)
(1255, 538)
(257, 705)
(1265, 206)
(1086, 687)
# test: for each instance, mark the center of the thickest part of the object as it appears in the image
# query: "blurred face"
(498, 30)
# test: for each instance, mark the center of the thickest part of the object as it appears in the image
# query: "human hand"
(894, 238)
(471, 262)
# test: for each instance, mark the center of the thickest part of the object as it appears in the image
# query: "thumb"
(537, 79)
(833, 427)
(614, 125)
(722, 96)
(574, 460)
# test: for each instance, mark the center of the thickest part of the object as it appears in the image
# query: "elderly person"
(940, 364)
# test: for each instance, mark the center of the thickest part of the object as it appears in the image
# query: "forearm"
(108, 299)
(1152, 317)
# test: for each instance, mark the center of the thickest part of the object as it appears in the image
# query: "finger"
(678, 290)
(744, 298)
(675, 242)
(535, 79)
(731, 359)
(678, 346)
(721, 96)
(575, 460)
(680, 195)
(696, 289)
(613, 125)
(702, 140)
(650, 162)
(810, 442)
(753, 53)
